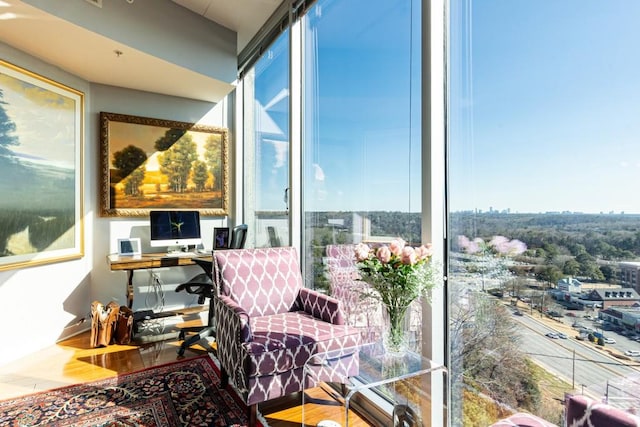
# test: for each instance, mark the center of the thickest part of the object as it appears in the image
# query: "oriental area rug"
(184, 393)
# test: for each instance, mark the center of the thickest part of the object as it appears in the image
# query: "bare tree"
(486, 351)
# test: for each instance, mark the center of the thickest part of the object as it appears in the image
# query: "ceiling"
(245, 17)
(92, 57)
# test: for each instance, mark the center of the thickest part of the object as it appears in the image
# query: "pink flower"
(516, 247)
(409, 255)
(424, 252)
(463, 242)
(508, 247)
(475, 246)
(384, 254)
(500, 243)
(396, 246)
(470, 247)
(362, 251)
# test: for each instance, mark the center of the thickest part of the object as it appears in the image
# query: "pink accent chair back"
(264, 282)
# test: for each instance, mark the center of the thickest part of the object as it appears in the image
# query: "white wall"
(38, 305)
(41, 305)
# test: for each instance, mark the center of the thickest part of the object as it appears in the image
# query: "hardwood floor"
(74, 361)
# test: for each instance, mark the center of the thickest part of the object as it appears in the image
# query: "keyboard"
(181, 254)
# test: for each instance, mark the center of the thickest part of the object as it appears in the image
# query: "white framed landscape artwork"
(41, 138)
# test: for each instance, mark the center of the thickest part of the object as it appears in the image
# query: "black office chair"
(202, 285)
(274, 240)
(238, 236)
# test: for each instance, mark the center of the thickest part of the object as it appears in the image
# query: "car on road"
(552, 335)
(518, 313)
(608, 340)
(561, 335)
(634, 353)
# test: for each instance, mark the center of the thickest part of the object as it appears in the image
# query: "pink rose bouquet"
(398, 274)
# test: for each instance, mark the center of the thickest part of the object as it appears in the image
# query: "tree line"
(587, 246)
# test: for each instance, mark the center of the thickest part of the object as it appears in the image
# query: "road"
(577, 362)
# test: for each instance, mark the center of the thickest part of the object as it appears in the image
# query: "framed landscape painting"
(153, 164)
(41, 137)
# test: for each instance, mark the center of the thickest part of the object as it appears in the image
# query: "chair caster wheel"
(180, 351)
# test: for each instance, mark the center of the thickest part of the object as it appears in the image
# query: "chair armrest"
(582, 411)
(232, 321)
(321, 306)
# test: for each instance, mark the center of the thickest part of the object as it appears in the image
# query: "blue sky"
(356, 104)
(546, 107)
(362, 141)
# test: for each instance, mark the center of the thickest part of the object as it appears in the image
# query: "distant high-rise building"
(629, 274)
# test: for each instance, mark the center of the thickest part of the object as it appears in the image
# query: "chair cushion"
(285, 341)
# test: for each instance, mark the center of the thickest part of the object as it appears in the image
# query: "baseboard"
(71, 331)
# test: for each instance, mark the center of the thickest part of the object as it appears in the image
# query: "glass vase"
(395, 328)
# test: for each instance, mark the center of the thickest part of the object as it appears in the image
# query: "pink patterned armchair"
(268, 324)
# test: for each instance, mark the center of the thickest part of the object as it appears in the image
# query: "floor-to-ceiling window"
(543, 128)
(266, 146)
(361, 158)
(361, 145)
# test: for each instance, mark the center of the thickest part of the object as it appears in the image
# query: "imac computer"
(176, 230)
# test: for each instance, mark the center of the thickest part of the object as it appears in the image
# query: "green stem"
(396, 326)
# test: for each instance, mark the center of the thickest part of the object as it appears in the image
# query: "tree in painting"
(213, 156)
(128, 160)
(171, 136)
(177, 161)
(7, 130)
(134, 182)
(200, 175)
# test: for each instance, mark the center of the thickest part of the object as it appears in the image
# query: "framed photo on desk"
(220, 238)
(129, 246)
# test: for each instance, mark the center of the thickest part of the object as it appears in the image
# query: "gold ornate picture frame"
(149, 164)
(41, 149)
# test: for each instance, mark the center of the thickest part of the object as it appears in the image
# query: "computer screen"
(174, 228)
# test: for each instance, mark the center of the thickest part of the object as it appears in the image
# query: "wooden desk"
(130, 263)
